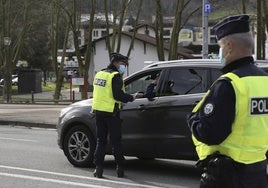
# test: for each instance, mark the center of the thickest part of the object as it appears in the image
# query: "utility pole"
(206, 11)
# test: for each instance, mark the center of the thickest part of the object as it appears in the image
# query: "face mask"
(122, 69)
(222, 59)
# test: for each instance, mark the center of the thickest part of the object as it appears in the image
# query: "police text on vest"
(100, 82)
(259, 106)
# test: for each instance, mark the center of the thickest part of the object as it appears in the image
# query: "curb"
(28, 124)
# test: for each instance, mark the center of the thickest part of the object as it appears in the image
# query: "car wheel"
(79, 146)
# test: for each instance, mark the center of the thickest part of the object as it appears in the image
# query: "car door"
(138, 118)
(182, 89)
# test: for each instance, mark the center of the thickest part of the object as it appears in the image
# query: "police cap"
(232, 25)
(119, 57)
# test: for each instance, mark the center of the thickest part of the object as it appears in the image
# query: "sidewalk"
(30, 115)
(35, 115)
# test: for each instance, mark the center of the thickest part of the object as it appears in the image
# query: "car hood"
(86, 102)
(77, 106)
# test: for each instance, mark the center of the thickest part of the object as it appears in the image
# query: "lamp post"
(7, 42)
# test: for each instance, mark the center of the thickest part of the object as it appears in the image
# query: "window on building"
(166, 32)
(103, 33)
(95, 33)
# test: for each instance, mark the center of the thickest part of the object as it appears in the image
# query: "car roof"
(211, 63)
(262, 63)
(185, 62)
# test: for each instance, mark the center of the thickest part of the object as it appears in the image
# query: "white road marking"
(77, 176)
(17, 139)
(52, 180)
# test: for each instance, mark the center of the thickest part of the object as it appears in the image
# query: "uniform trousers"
(252, 175)
(108, 124)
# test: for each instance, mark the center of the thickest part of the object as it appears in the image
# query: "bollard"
(73, 96)
(32, 93)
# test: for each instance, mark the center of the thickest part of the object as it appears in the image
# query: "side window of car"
(141, 82)
(186, 81)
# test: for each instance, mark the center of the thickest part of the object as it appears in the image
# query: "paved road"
(30, 158)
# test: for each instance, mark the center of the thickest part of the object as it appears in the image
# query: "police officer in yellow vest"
(108, 95)
(230, 124)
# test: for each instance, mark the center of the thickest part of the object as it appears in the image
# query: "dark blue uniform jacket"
(214, 127)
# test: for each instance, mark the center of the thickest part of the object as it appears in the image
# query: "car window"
(185, 81)
(140, 82)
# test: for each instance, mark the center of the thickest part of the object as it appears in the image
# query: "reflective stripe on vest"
(103, 99)
(248, 141)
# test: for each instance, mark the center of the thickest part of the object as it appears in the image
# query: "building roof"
(185, 53)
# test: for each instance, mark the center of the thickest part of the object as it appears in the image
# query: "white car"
(14, 80)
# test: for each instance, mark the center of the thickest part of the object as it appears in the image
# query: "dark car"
(151, 128)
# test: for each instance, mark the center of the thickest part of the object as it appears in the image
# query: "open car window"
(141, 82)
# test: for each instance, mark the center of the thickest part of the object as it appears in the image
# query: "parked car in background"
(151, 128)
(14, 80)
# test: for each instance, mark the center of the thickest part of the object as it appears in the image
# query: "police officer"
(231, 122)
(108, 96)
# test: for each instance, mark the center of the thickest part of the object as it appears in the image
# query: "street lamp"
(7, 42)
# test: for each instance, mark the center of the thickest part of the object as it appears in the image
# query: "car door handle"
(196, 102)
(142, 107)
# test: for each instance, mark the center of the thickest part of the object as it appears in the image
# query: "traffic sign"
(207, 8)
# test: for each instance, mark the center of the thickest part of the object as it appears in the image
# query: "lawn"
(50, 86)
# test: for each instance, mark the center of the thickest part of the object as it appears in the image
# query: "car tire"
(79, 146)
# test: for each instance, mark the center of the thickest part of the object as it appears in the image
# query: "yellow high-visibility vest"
(248, 141)
(103, 99)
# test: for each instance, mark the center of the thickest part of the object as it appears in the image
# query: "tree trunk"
(12, 51)
(243, 6)
(259, 30)
(108, 42)
(135, 30)
(54, 37)
(173, 48)
(88, 54)
(159, 31)
(121, 23)
(265, 25)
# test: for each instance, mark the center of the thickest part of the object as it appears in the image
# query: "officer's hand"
(137, 95)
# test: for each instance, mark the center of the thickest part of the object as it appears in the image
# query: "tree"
(177, 25)
(36, 48)
(55, 16)
(74, 17)
(115, 38)
(243, 6)
(159, 31)
(259, 30)
(135, 25)
(173, 49)
(18, 14)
